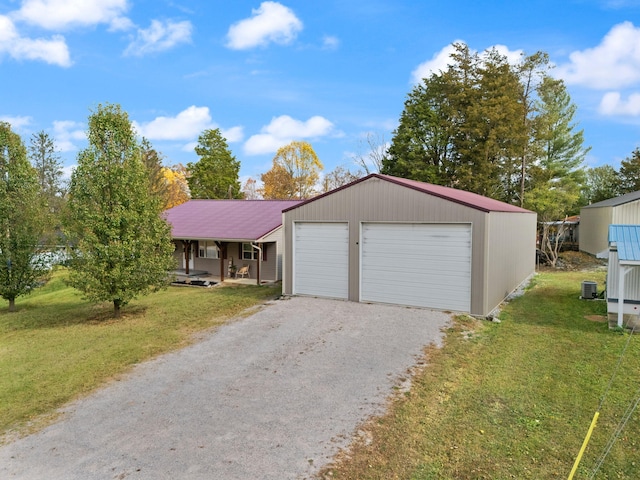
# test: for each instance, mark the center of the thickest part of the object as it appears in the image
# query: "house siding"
(376, 200)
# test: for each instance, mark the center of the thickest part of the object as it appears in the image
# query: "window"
(208, 250)
(248, 252)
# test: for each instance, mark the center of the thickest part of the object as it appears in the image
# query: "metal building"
(391, 240)
(596, 218)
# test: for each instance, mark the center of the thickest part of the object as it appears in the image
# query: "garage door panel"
(417, 264)
(321, 259)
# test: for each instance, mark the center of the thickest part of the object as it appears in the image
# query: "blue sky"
(266, 73)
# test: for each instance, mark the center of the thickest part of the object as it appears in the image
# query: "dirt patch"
(596, 318)
(576, 261)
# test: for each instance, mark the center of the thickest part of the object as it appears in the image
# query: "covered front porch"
(181, 275)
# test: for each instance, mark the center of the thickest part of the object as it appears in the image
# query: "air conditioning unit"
(589, 290)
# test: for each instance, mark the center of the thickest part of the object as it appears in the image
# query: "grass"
(58, 347)
(512, 399)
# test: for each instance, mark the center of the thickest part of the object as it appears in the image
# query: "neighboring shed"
(391, 240)
(623, 275)
(596, 218)
(212, 235)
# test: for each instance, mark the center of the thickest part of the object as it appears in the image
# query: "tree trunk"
(116, 308)
(12, 304)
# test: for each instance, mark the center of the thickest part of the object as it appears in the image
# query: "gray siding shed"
(502, 236)
(596, 218)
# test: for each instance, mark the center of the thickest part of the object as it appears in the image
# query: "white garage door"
(423, 265)
(321, 259)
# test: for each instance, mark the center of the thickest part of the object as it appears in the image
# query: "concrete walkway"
(271, 396)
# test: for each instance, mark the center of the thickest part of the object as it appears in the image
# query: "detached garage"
(389, 240)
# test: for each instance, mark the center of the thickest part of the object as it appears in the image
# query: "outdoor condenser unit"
(589, 290)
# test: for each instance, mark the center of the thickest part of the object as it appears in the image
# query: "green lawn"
(57, 346)
(513, 399)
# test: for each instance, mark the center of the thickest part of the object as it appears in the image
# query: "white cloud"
(17, 123)
(330, 42)
(271, 22)
(233, 134)
(438, 63)
(442, 60)
(284, 129)
(613, 104)
(53, 51)
(187, 125)
(62, 14)
(614, 63)
(159, 36)
(67, 134)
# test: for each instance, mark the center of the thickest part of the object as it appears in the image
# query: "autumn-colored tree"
(176, 187)
(294, 174)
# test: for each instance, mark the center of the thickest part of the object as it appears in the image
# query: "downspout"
(258, 262)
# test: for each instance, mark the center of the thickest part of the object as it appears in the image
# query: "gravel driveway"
(274, 395)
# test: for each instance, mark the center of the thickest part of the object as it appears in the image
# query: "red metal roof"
(472, 200)
(226, 219)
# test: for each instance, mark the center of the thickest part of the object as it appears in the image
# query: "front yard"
(57, 346)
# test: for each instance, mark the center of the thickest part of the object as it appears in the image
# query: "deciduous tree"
(601, 183)
(21, 219)
(338, 177)
(294, 174)
(175, 186)
(215, 175)
(122, 245)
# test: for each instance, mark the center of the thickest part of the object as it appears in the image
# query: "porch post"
(187, 252)
(222, 247)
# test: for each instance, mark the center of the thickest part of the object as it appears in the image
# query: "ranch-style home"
(228, 238)
(390, 240)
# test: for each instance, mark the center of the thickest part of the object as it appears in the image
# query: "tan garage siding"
(507, 263)
(378, 200)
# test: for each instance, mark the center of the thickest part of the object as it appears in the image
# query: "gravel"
(273, 395)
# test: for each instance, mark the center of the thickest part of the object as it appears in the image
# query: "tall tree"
(215, 175)
(46, 161)
(122, 244)
(485, 125)
(294, 174)
(630, 173)
(602, 183)
(21, 219)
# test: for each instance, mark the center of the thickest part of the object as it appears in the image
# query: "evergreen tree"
(630, 173)
(216, 174)
(22, 264)
(122, 245)
(46, 161)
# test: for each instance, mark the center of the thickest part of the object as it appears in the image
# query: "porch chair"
(243, 272)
